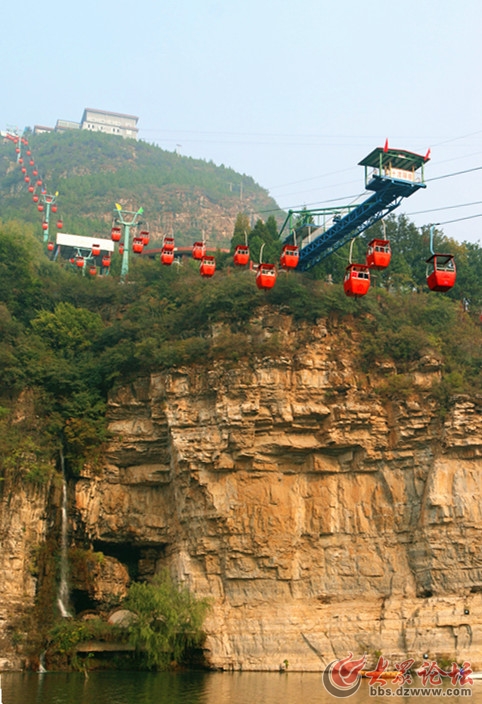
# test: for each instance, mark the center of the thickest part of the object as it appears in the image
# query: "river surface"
(195, 688)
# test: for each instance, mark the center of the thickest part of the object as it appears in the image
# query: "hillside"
(181, 196)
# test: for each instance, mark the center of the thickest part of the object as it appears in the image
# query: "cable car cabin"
(95, 250)
(266, 276)
(54, 208)
(198, 250)
(167, 256)
(168, 244)
(79, 261)
(50, 246)
(92, 270)
(357, 280)
(144, 236)
(31, 189)
(45, 225)
(137, 245)
(379, 254)
(121, 249)
(290, 256)
(116, 234)
(208, 266)
(441, 273)
(106, 261)
(35, 198)
(241, 255)
(40, 207)
(60, 224)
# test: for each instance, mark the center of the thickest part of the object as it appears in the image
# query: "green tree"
(241, 230)
(169, 620)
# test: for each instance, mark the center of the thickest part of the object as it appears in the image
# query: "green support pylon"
(122, 217)
(48, 201)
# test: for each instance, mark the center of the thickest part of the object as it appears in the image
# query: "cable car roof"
(397, 158)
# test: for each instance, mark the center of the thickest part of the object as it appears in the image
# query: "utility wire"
(455, 173)
(469, 217)
(446, 207)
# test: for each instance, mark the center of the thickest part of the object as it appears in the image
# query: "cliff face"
(319, 519)
(319, 516)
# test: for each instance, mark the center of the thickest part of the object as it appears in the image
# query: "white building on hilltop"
(109, 123)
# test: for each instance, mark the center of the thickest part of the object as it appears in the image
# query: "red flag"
(385, 148)
(427, 155)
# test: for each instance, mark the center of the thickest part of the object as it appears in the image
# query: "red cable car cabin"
(95, 250)
(357, 279)
(198, 250)
(208, 266)
(290, 256)
(50, 246)
(60, 224)
(379, 254)
(92, 270)
(137, 245)
(106, 261)
(167, 256)
(241, 255)
(115, 234)
(266, 276)
(168, 244)
(79, 261)
(441, 273)
(144, 236)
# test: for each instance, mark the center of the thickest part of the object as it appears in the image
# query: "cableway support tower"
(392, 175)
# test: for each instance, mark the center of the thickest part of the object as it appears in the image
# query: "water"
(191, 688)
(63, 598)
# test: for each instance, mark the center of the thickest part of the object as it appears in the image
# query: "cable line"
(446, 207)
(455, 173)
(469, 217)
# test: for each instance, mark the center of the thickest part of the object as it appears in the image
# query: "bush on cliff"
(169, 621)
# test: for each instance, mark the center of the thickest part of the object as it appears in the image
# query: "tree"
(169, 620)
(241, 230)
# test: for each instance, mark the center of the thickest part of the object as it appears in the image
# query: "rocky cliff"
(319, 515)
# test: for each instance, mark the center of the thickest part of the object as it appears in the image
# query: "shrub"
(169, 620)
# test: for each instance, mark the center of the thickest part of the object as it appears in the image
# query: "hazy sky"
(294, 94)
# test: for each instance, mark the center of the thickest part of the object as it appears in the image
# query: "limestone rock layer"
(319, 515)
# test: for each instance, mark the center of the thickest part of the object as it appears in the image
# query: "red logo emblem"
(342, 677)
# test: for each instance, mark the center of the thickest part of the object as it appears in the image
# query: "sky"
(293, 94)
